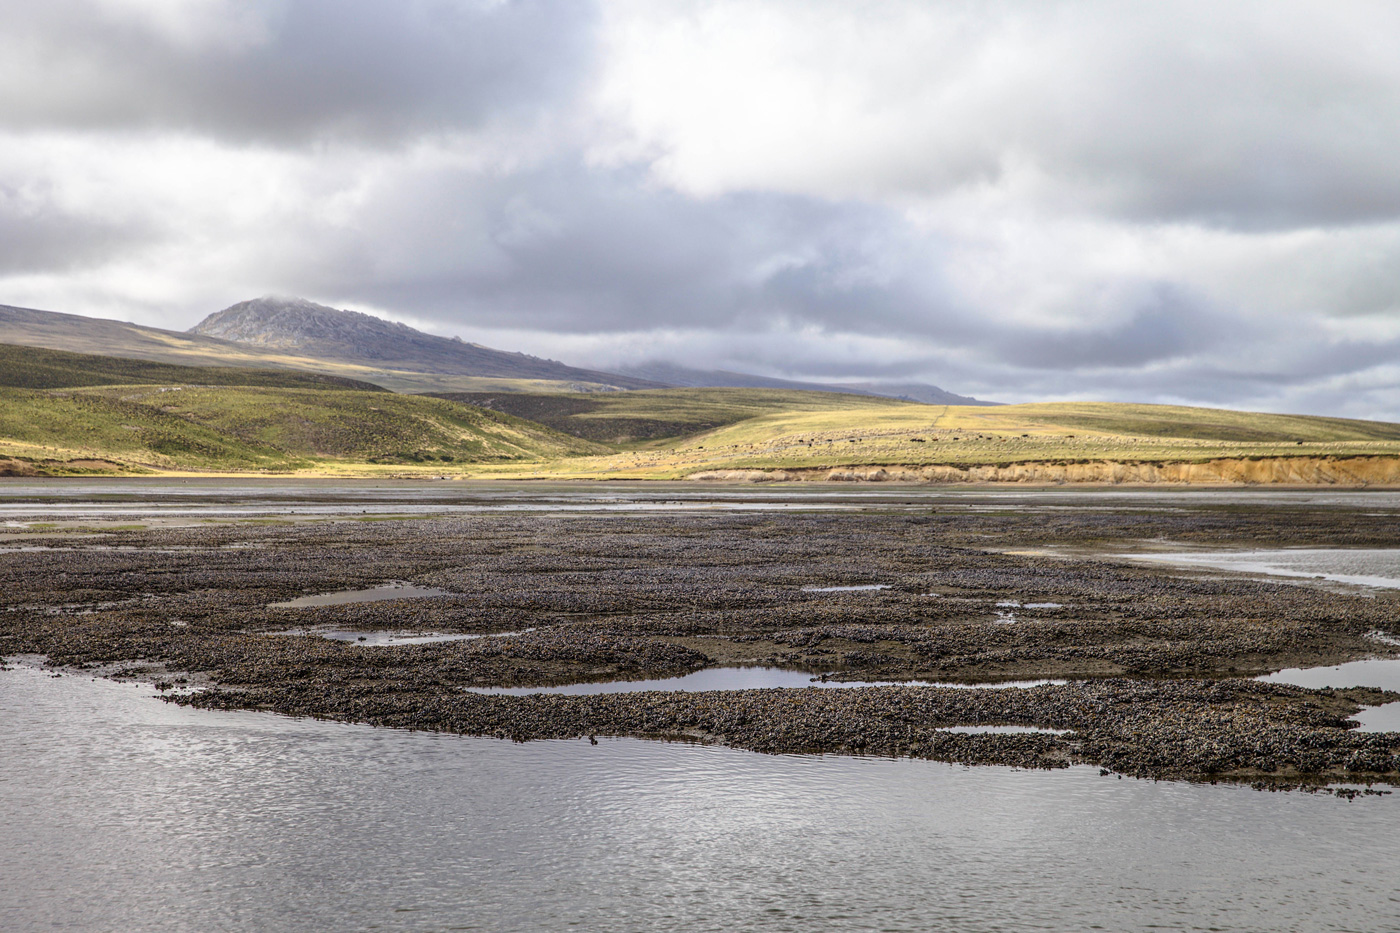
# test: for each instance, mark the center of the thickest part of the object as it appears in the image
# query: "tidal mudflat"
(594, 584)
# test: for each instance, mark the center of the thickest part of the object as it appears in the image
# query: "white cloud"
(1253, 113)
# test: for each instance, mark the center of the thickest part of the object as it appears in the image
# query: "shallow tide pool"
(736, 678)
(1383, 673)
(375, 594)
(382, 639)
(1372, 567)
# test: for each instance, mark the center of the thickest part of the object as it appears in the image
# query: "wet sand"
(1159, 658)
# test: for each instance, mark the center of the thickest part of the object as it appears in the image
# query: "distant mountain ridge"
(719, 378)
(293, 333)
(315, 330)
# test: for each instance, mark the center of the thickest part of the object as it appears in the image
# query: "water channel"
(124, 813)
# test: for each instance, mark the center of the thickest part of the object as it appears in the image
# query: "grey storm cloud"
(289, 70)
(39, 237)
(568, 248)
(1164, 324)
(1185, 201)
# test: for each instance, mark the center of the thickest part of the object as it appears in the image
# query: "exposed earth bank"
(1326, 471)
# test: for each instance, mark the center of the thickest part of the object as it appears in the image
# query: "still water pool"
(736, 678)
(123, 813)
(1369, 567)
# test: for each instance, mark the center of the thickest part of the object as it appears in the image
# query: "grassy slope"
(904, 433)
(655, 434)
(40, 368)
(1070, 429)
(366, 426)
(656, 417)
(260, 428)
(67, 426)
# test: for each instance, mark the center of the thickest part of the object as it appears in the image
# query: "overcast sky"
(1173, 201)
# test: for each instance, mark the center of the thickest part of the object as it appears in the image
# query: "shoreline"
(1361, 471)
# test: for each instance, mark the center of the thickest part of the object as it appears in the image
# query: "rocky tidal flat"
(1159, 660)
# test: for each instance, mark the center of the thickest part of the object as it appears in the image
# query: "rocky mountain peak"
(287, 323)
(308, 329)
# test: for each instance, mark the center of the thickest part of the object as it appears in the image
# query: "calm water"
(122, 813)
(383, 639)
(734, 678)
(1370, 672)
(349, 597)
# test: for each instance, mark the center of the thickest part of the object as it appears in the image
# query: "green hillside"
(66, 412)
(240, 428)
(40, 368)
(771, 430)
(660, 415)
(931, 434)
(1207, 424)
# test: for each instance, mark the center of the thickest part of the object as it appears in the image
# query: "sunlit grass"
(660, 434)
(240, 429)
(921, 435)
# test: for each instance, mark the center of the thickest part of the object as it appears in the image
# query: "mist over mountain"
(719, 378)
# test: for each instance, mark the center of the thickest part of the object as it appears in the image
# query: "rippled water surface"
(122, 813)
